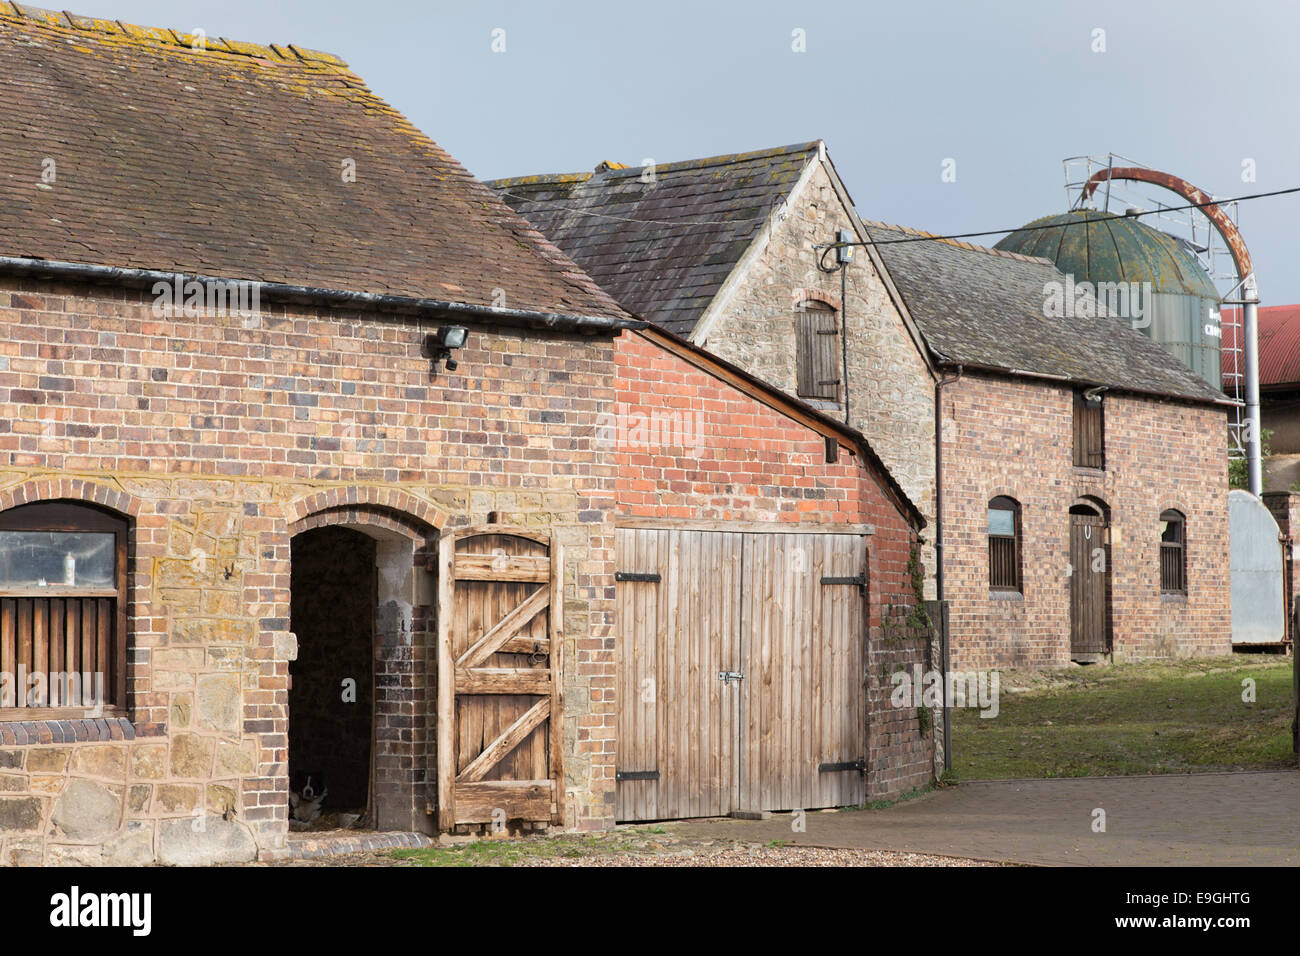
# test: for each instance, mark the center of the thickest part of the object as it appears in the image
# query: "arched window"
(62, 612)
(817, 359)
(1004, 544)
(1173, 552)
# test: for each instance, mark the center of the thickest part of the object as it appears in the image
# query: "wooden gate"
(1089, 583)
(741, 670)
(500, 677)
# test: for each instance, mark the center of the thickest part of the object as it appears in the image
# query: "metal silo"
(1174, 302)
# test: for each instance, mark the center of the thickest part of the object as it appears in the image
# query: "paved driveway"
(1216, 819)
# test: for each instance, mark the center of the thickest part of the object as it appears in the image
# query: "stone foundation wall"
(222, 437)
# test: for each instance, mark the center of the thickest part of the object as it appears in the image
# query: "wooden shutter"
(1089, 433)
(818, 352)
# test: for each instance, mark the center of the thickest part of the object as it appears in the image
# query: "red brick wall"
(1004, 436)
(694, 448)
(223, 435)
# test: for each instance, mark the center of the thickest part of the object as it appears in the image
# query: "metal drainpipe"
(1254, 437)
(938, 552)
(844, 335)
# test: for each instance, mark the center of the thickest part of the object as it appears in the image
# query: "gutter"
(1125, 389)
(938, 550)
(337, 298)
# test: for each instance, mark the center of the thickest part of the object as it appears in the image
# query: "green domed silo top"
(1103, 247)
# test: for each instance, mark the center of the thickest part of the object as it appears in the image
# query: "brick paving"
(1217, 819)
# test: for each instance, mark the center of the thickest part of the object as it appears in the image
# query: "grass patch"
(508, 852)
(883, 804)
(1106, 720)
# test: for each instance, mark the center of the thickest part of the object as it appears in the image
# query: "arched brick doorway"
(363, 600)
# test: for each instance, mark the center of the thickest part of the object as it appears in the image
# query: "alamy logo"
(53, 688)
(1089, 300)
(74, 909)
(955, 689)
(193, 298)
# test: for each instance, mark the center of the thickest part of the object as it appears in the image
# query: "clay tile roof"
(984, 308)
(661, 244)
(216, 157)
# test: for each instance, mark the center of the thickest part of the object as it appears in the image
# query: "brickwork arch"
(385, 508)
(802, 296)
(72, 489)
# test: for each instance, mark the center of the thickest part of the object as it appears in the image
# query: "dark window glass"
(1004, 544)
(1173, 553)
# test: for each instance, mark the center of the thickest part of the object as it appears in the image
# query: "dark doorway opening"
(331, 692)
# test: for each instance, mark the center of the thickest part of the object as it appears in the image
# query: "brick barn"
(317, 460)
(1038, 448)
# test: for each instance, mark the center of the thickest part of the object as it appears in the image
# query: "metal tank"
(1176, 303)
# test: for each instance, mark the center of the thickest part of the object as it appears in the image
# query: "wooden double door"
(741, 672)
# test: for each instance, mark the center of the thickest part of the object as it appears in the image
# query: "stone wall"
(891, 391)
(1008, 436)
(220, 438)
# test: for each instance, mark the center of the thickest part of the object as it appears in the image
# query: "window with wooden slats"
(1089, 432)
(1004, 544)
(62, 612)
(818, 351)
(1173, 553)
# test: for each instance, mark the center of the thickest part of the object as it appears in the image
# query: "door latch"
(726, 676)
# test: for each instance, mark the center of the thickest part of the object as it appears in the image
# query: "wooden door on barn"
(1089, 582)
(804, 708)
(740, 670)
(500, 678)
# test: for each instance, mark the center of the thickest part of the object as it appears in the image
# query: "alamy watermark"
(54, 689)
(1090, 300)
(194, 298)
(931, 688)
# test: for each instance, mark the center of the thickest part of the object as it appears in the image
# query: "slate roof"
(661, 248)
(983, 308)
(228, 162)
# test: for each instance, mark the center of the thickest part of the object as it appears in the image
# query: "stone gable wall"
(891, 391)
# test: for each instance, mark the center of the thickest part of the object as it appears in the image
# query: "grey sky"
(1007, 89)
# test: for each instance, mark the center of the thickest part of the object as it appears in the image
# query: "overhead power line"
(921, 238)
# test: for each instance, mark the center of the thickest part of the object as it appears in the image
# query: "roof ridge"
(537, 180)
(969, 246)
(272, 53)
(724, 159)
(614, 173)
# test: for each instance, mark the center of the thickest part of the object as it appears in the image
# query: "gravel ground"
(756, 854)
(643, 850)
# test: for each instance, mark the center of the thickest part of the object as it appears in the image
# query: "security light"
(441, 343)
(452, 336)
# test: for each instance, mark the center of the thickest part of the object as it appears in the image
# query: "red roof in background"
(1279, 344)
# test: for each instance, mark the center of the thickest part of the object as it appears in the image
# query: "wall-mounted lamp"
(441, 343)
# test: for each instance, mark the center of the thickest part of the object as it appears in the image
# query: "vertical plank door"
(500, 678)
(803, 742)
(678, 606)
(1089, 576)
